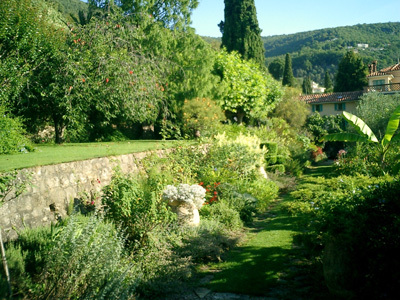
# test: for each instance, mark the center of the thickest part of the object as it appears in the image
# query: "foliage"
(276, 68)
(375, 109)
(293, 111)
(173, 14)
(365, 135)
(347, 210)
(136, 205)
(306, 86)
(86, 261)
(240, 30)
(351, 74)
(328, 83)
(202, 115)
(35, 49)
(247, 90)
(315, 52)
(288, 78)
(12, 134)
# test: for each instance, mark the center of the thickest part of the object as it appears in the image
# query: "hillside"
(315, 52)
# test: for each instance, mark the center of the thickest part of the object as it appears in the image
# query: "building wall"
(329, 108)
(53, 188)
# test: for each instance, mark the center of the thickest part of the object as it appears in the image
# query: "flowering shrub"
(190, 194)
(211, 192)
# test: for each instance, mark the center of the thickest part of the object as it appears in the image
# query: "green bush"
(135, 203)
(275, 169)
(202, 115)
(359, 217)
(87, 262)
(12, 134)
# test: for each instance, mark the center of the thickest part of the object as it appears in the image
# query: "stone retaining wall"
(53, 188)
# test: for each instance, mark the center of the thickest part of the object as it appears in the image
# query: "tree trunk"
(240, 116)
(5, 265)
(59, 130)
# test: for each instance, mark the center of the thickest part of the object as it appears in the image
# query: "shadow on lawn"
(256, 267)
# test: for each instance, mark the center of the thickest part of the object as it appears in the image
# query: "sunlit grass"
(255, 266)
(47, 154)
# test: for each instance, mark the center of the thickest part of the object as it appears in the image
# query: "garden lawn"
(270, 262)
(255, 267)
(55, 154)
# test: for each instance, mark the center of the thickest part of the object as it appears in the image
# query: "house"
(385, 81)
(333, 103)
(316, 89)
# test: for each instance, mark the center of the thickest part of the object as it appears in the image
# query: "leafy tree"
(114, 83)
(240, 30)
(170, 13)
(352, 73)
(375, 110)
(276, 67)
(288, 78)
(246, 89)
(306, 87)
(328, 83)
(34, 63)
(293, 111)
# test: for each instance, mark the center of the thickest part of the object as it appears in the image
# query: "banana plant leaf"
(392, 126)
(345, 137)
(360, 127)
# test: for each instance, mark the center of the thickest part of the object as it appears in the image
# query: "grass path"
(270, 263)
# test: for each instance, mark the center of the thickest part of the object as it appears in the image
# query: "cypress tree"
(240, 30)
(328, 83)
(307, 89)
(288, 78)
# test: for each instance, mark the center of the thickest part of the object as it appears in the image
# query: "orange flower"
(83, 80)
(107, 80)
(131, 72)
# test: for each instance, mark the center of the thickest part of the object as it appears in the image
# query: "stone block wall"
(53, 188)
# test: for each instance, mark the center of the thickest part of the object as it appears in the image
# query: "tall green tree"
(306, 87)
(241, 32)
(171, 13)
(247, 90)
(352, 73)
(288, 78)
(276, 67)
(328, 83)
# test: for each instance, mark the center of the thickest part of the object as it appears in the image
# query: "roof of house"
(384, 71)
(331, 97)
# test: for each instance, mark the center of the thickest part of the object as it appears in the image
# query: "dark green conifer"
(307, 89)
(240, 30)
(288, 78)
(328, 83)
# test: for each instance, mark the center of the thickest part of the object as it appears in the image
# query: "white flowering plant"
(185, 193)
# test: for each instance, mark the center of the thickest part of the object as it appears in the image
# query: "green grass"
(55, 154)
(255, 266)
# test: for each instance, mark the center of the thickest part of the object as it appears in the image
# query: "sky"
(292, 16)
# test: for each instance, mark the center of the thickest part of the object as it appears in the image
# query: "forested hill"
(315, 52)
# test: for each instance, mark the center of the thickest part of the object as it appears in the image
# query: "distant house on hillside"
(332, 103)
(385, 81)
(316, 89)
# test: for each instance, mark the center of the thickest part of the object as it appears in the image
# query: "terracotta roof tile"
(396, 67)
(379, 73)
(331, 97)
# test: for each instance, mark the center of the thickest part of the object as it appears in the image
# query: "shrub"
(275, 169)
(201, 115)
(12, 134)
(136, 205)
